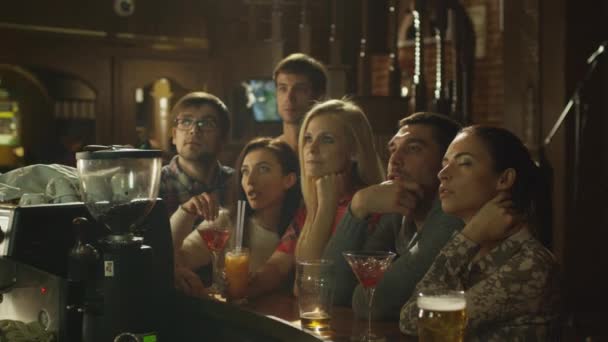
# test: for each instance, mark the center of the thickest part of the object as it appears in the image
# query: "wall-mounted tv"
(260, 95)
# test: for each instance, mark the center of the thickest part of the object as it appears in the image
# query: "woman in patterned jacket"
(490, 181)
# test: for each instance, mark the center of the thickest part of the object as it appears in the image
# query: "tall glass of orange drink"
(236, 266)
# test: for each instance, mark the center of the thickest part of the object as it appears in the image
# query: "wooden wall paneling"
(132, 73)
(363, 61)
(383, 113)
(82, 61)
(349, 17)
(90, 15)
(178, 18)
(305, 30)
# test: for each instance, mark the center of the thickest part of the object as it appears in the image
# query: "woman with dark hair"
(267, 179)
(510, 280)
(268, 172)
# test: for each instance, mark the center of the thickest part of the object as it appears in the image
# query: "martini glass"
(216, 238)
(369, 268)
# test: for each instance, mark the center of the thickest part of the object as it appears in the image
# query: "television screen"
(261, 99)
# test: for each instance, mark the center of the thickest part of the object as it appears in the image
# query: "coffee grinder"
(119, 187)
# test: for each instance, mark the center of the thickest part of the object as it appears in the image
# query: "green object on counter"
(150, 338)
(16, 331)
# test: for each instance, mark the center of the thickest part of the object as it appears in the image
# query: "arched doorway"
(54, 116)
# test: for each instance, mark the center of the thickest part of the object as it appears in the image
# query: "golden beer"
(442, 317)
(316, 320)
(315, 288)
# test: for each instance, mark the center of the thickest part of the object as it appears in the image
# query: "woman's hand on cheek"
(329, 188)
(495, 221)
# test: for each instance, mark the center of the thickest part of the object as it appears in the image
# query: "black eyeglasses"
(204, 124)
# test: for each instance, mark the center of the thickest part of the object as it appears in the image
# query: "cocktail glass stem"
(370, 300)
(216, 277)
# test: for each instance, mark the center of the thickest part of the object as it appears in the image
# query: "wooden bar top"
(345, 327)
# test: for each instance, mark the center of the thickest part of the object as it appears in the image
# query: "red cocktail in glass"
(215, 238)
(369, 267)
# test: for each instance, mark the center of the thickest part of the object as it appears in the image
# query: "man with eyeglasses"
(200, 123)
(194, 184)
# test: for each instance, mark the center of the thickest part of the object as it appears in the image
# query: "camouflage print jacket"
(512, 292)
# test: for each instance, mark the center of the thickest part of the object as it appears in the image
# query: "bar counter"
(345, 327)
(270, 318)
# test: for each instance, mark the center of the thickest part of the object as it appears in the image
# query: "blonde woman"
(337, 157)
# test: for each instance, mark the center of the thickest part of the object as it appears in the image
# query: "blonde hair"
(369, 169)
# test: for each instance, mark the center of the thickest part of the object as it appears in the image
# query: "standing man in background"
(301, 81)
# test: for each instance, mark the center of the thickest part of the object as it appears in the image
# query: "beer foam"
(442, 303)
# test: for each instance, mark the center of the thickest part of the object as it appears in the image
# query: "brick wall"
(488, 89)
(488, 86)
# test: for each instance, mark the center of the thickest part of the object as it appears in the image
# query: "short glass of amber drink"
(315, 288)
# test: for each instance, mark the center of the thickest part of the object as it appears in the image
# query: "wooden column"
(276, 35)
(305, 29)
(335, 36)
(394, 70)
(441, 102)
(337, 82)
(251, 23)
(363, 67)
(420, 98)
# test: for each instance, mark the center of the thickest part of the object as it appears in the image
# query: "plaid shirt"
(176, 187)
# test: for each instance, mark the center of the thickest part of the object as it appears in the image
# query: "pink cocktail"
(369, 267)
(215, 239)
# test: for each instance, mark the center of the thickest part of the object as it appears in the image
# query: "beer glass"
(315, 286)
(442, 316)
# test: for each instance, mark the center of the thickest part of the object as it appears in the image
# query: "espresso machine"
(101, 270)
(119, 187)
(97, 270)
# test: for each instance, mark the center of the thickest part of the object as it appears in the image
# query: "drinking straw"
(239, 224)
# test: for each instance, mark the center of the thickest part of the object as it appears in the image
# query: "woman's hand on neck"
(493, 222)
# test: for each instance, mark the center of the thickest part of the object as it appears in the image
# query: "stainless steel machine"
(102, 270)
(37, 277)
